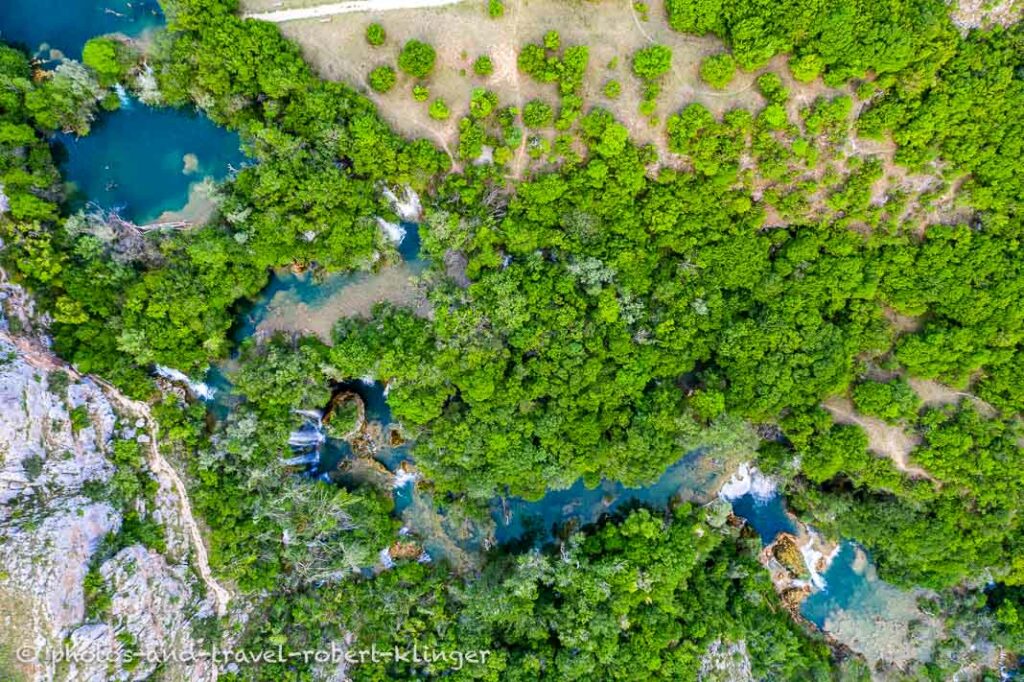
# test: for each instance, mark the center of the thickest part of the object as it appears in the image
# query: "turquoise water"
(539, 522)
(844, 586)
(767, 517)
(133, 160)
(65, 25)
(316, 290)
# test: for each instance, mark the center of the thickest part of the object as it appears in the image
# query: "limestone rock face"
(56, 437)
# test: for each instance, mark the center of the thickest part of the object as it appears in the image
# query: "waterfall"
(122, 96)
(408, 207)
(394, 232)
(309, 435)
(403, 477)
(308, 458)
(748, 480)
(198, 388)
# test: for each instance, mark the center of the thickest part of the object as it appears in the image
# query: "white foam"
(201, 390)
(393, 232)
(408, 207)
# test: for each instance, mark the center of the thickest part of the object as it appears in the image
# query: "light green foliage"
(375, 34)
(481, 103)
(483, 66)
(420, 93)
(382, 79)
(495, 9)
(439, 110)
(110, 59)
(718, 70)
(537, 114)
(770, 85)
(612, 89)
(417, 58)
(650, 63)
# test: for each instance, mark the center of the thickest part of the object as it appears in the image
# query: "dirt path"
(164, 472)
(329, 10)
(883, 439)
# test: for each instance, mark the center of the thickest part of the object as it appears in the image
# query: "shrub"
(891, 401)
(537, 114)
(382, 78)
(770, 86)
(718, 70)
(495, 9)
(375, 35)
(483, 66)
(420, 93)
(552, 41)
(612, 89)
(439, 110)
(417, 58)
(482, 103)
(652, 62)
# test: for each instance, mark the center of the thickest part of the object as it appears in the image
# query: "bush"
(552, 41)
(718, 70)
(417, 58)
(771, 88)
(109, 58)
(891, 401)
(537, 114)
(382, 78)
(375, 35)
(420, 93)
(482, 103)
(439, 110)
(495, 9)
(483, 66)
(612, 89)
(652, 62)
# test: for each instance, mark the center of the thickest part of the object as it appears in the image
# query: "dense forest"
(617, 307)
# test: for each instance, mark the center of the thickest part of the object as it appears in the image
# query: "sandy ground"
(883, 439)
(462, 32)
(279, 15)
(395, 284)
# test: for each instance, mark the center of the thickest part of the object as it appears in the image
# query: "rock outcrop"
(57, 514)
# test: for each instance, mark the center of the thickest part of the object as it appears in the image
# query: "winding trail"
(162, 470)
(331, 9)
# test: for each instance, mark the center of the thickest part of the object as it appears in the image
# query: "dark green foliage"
(841, 38)
(891, 400)
(640, 598)
(417, 58)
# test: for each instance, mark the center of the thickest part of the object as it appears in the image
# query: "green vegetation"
(642, 593)
(718, 70)
(382, 79)
(537, 114)
(495, 9)
(616, 312)
(835, 38)
(612, 89)
(651, 63)
(891, 400)
(417, 59)
(483, 66)
(375, 34)
(439, 110)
